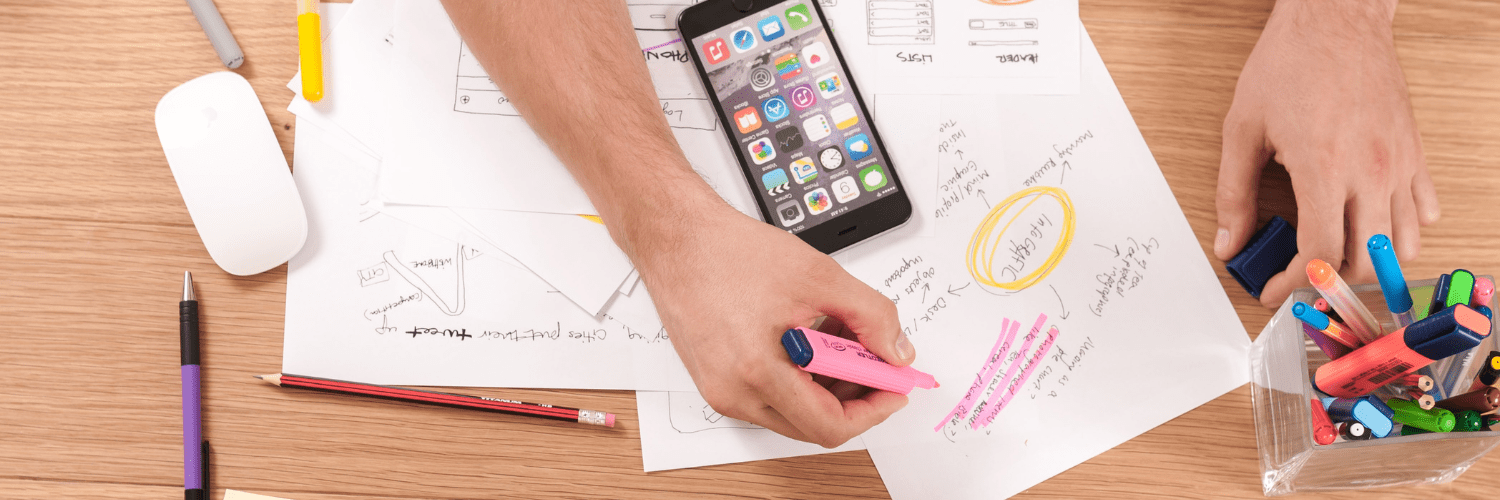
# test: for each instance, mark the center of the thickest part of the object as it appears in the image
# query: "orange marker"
(1356, 316)
(1448, 332)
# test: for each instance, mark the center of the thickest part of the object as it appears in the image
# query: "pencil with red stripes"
(443, 399)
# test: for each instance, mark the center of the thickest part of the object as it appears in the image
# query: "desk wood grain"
(93, 239)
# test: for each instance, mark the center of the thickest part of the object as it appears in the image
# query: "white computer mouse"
(233, 177)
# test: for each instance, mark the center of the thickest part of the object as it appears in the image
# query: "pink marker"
(847, 360)
(1484, 290)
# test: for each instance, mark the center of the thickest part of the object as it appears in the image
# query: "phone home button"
(744, 5)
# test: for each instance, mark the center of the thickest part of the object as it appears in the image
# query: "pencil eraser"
(1269, 251)
(609, 420)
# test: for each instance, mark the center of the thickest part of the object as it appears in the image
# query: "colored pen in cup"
(1321, 305)
(1392, 282)
(1423, 400)
(1423, 383)
(1323, 429)
(1328, 327)
(1484, 291)
(1332, 287)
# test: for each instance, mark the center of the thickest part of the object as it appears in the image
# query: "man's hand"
(1323, 94)
(727, 286)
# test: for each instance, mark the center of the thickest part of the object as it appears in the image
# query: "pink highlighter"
(847, 360)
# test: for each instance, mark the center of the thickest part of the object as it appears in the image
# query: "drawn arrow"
(954, 292)
(1064, 314)
(986, 202)
(1116, 249)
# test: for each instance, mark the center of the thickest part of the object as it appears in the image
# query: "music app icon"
(716, 51)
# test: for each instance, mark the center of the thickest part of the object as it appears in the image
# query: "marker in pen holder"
(1282, 363)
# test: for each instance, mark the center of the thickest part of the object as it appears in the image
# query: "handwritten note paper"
(463, 145)
(967, 47)
(375, 300)
(679, 430)
(1061, 286)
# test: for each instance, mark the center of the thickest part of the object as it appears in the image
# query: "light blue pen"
(1398, 300)
(1392, 282)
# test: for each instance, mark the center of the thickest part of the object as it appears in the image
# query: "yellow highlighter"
(310, 43)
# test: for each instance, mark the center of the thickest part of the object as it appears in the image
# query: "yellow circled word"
(987, 239)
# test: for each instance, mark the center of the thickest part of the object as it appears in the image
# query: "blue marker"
(1316, 319)
(1367, 410)
(1388, 270)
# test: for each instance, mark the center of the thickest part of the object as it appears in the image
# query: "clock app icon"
(831, 158)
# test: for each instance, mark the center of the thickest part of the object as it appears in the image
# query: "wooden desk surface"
(94, 238)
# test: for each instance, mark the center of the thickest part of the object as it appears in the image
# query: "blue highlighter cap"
(797, 347)
(1388, 271)
(1367, 410)
(1444, 333)
(1269, 251)
(1310, 315)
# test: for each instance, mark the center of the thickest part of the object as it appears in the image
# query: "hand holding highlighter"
(847, 360)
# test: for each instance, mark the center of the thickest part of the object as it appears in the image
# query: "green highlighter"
(1460, 287)
(1420, 295)
(1409, 414)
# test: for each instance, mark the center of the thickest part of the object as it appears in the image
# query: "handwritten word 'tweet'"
(453, 333)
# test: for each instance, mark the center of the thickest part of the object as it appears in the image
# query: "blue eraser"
(1268, 252)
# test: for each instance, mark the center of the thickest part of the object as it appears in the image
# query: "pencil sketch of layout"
(683, 101)
(1003, 25)
(690, 413)
(892, 22)
(452, 305)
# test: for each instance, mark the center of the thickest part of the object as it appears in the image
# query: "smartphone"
(795, 119)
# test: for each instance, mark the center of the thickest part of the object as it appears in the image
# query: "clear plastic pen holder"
(1282, 361)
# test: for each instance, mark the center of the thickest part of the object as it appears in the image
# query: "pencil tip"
(262, 377)
(187, 286)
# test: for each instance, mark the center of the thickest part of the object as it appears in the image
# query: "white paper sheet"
(1095, 287)
(679, 430)
(572, 254)
(463, 145)
(355, 57)
(970, 47)
(374, 300)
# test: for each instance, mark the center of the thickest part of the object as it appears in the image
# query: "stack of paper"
(1046, 274)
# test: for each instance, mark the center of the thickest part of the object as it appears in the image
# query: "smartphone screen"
(811, 152)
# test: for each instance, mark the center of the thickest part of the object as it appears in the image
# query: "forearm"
(575, 72)
(1336, 14)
